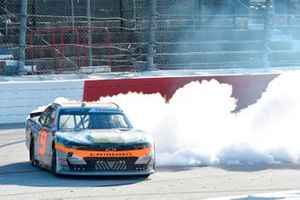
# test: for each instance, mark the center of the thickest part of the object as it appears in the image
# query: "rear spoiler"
(35, 114)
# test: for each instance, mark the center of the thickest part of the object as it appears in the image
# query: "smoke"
(198, 125)
(61, 100)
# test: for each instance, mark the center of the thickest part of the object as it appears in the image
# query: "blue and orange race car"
(88, 139)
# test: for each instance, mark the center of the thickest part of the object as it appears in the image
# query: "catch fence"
(132, 35)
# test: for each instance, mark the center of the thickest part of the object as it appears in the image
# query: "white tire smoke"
(198, 125)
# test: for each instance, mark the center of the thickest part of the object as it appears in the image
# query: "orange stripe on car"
(104, 154)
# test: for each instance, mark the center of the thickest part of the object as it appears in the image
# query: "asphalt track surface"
(19, 180)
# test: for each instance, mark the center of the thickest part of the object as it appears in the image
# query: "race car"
(88, 139)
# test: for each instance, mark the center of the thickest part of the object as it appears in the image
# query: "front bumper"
(106, 173)
(99, 166)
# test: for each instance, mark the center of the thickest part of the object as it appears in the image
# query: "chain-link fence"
(9, 24)
(227, 34)
(131, 35)
(70, 34)
(65, 35)
(207, 34)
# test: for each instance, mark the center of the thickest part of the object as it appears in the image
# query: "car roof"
(98, 105)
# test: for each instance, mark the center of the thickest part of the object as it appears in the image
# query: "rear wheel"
(31, 153)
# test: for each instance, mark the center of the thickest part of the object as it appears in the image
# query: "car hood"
(111, 136)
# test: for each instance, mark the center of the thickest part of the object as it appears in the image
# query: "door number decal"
(43, 140)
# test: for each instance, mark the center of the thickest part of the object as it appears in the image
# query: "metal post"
(72, 13)
(22, 37)
(202, 11)
(194, 13)
(6, 25)
(33, 7)
(152, 39)
(122, 24)
(233, 3)
(267, 31)
(134, 14)
(90, 50)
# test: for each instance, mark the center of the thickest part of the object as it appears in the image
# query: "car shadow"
(259, 167)
(24, 174)
(179, 168)
(238, 168)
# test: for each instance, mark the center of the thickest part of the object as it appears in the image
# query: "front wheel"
(146, 176)
(54, 162)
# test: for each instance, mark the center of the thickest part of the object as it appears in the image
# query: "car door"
(46, 134)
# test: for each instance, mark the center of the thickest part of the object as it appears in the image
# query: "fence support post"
(22, 37)
(134, 14)
(267, 31)
(6, 24)
(202, 11)
(72, 13)
(152, 39)
(90, 50)
(122, 23)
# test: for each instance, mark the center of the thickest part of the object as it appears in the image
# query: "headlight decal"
(145, 160)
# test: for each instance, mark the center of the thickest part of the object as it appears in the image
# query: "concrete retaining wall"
(18, 99)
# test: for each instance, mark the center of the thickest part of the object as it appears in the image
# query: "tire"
(31, 153)
(54, 162)
(144, 176)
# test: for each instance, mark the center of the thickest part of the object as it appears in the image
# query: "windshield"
(81, 121)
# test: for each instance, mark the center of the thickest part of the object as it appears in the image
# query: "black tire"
(146, 176)
(53, 162)
(31, 153)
